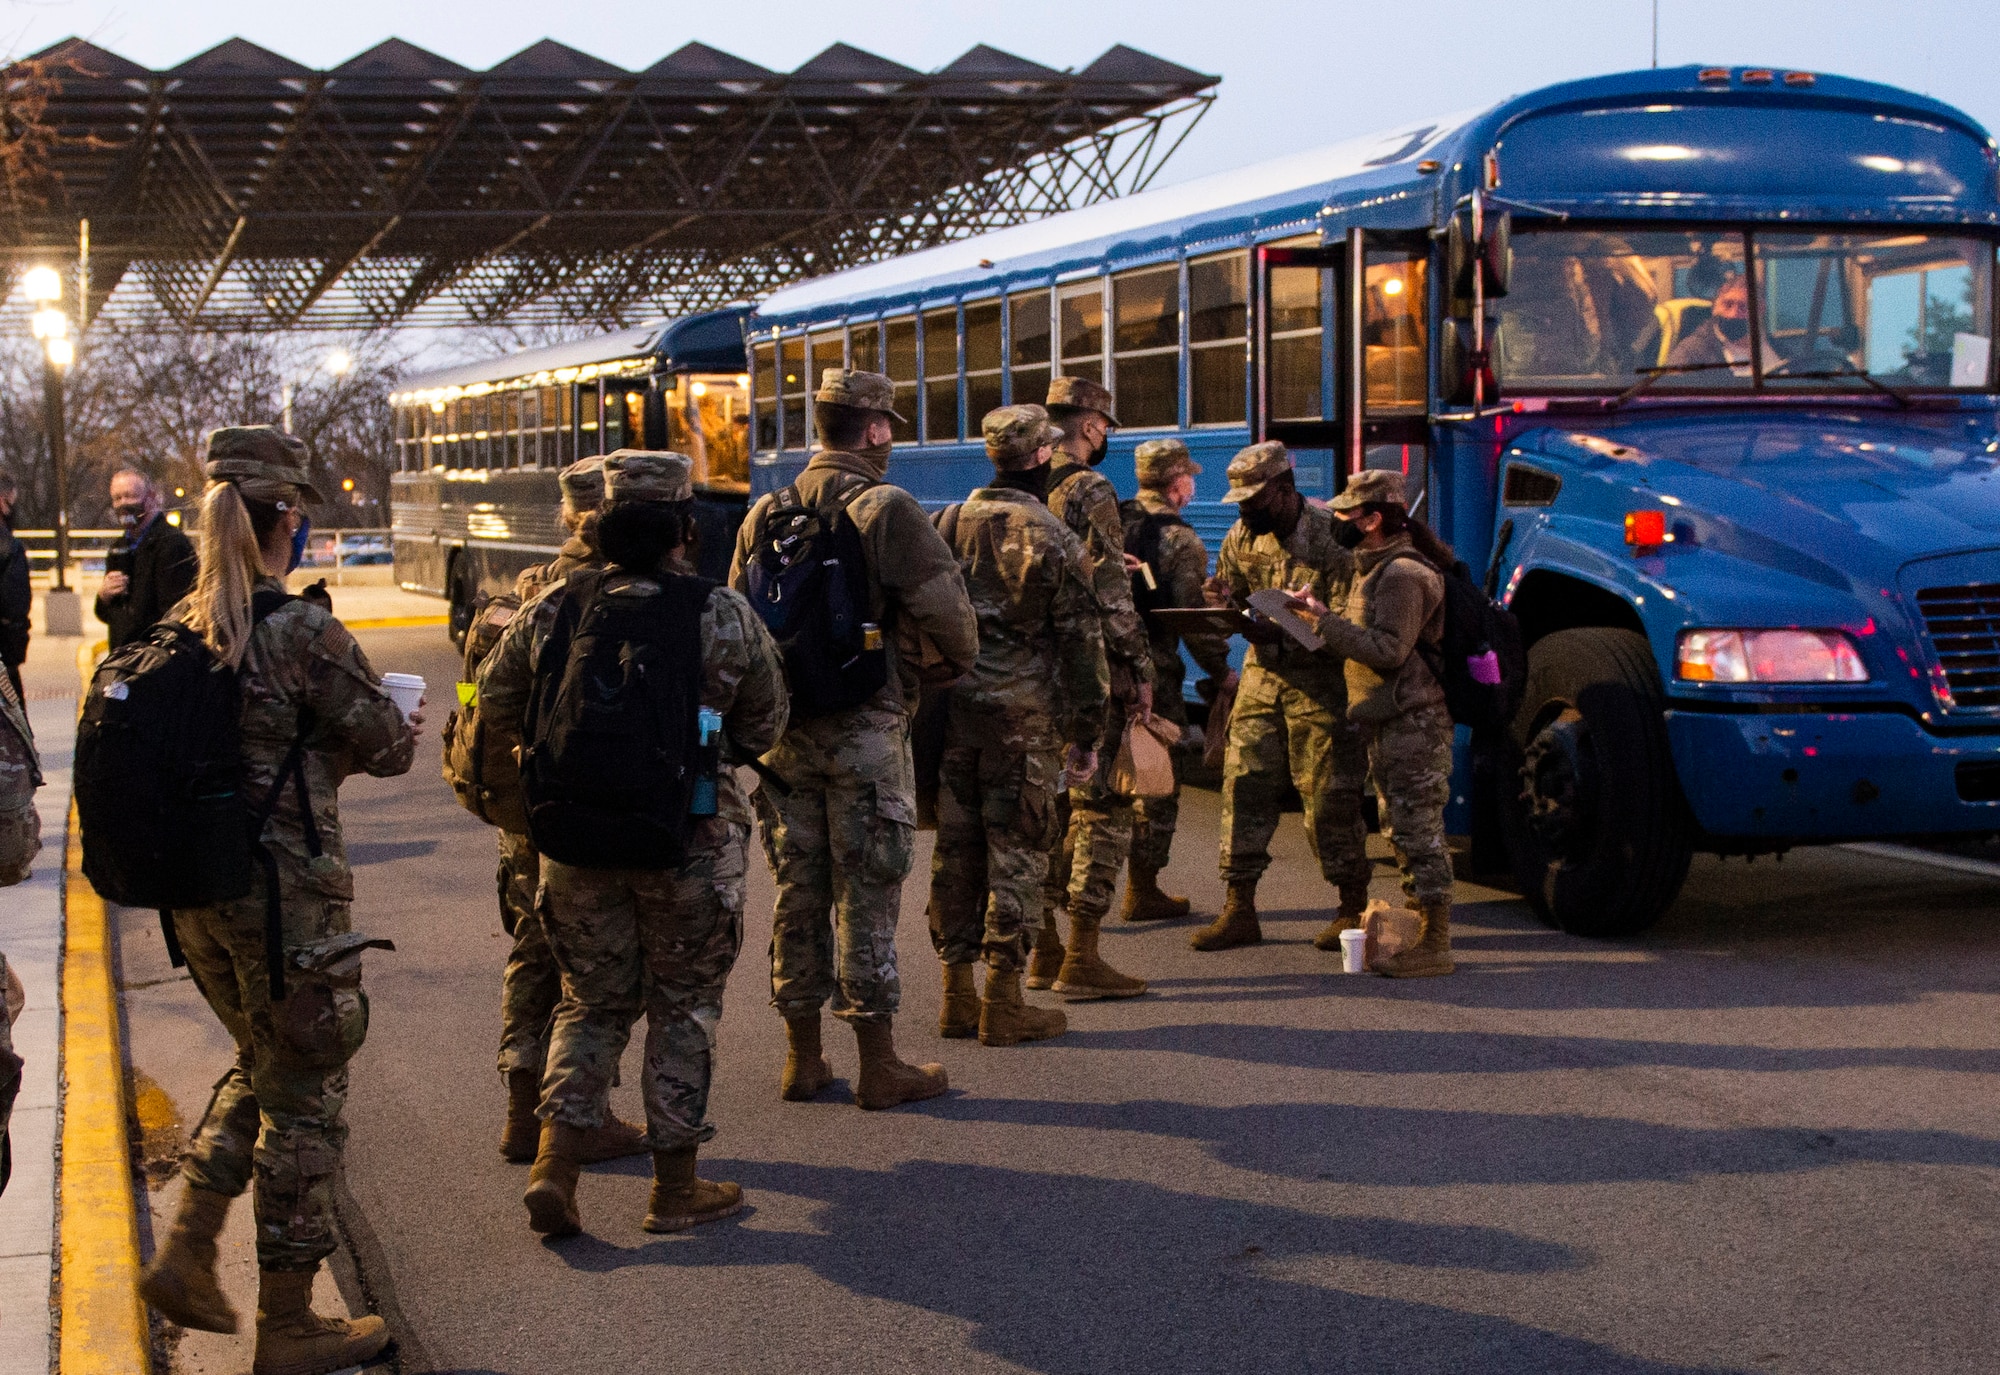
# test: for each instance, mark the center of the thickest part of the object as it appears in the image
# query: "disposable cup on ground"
(1353, 948)
(406, 690)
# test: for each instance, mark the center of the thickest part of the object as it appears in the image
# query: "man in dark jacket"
(151, 566)
(16, 597)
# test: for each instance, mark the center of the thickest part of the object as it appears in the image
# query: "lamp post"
(43, 286)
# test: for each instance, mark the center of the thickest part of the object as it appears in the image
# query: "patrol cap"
(648, 475)
(865, 391)
(1081, 394)
(258, 459)
(583, 484)
(1371, 487)
(1015, 432)
(1159, 461)
(1255, 466)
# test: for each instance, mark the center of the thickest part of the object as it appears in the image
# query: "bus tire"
(464, 591)
(1597, 829)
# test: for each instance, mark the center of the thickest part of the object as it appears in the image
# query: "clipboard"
(1272, 604)
(1202, 620)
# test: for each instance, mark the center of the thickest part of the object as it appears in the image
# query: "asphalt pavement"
(1761, 1138)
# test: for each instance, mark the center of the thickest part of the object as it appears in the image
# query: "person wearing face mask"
(842, 840)
(1725, 336)
(150, 566)
(17, 596)
(313, 713)
(1039, 686)
(1290, 719)
(1098, 823)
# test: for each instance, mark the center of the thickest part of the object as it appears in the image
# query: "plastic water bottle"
(709, 730)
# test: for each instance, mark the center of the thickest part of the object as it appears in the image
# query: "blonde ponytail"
(231, 564)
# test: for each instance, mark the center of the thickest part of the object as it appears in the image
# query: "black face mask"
(1097, 454)
(1034, 481)
(1260, 520)
(1734, 328)
(1346, 534)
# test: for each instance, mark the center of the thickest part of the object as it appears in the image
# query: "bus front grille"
(1964, 625)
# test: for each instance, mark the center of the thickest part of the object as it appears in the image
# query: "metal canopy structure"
(241, 190)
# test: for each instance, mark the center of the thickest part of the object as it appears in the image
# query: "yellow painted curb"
(103, 1321)
(395, 622)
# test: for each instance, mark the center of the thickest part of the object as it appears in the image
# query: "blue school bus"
(1694, 366)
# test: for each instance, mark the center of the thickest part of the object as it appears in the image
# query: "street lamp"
(44, 287)
(336, 364)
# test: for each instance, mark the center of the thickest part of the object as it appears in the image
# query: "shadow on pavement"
(1069, 1272)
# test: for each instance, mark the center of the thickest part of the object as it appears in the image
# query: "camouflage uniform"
(1291, 709)
(841, 843)
(531, 985)
(1180, 570)
(1040, 683)
(277, 1110)
(658, 940)
(1098, 830)
(20, 775)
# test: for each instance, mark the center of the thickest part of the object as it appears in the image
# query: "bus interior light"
(1768, 656)
(1645, 529)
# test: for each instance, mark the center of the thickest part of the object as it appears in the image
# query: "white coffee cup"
(1353, 951)
(406, 690)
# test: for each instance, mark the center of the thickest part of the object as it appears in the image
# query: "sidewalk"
(31, 934)
(368, 595)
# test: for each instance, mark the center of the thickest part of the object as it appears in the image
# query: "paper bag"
(1391, 930)
(1145, 764)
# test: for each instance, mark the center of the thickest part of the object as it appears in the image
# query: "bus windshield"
(1603, 309)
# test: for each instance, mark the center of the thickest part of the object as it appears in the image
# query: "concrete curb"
(394, 622)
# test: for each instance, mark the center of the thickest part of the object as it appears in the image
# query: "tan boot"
(1430, 954)
(613, 1140)
(180, 1282)
(1084, 973)
(807, 1070)
(551, 1195)
(294, 1340)
(1238, 923)
(884, 1080)
(1045, 961)
(1144, 900)
(679, 1200)
(1353, 902)
(960, 1017)
(523, 1132)
(1006, 1020)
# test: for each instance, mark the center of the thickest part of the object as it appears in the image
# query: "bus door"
(1298, 295)
(1386, 349)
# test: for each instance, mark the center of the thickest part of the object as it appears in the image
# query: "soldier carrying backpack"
(866, 601)
(274, 705)
(625, 683)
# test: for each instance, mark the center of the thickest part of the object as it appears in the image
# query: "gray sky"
(1296, 73)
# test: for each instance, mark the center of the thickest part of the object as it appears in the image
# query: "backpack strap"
(1431, 651)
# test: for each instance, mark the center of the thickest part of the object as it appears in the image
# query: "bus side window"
(551, 457)
(1394, 336)
(792, 363)
(1146, 347)
(1082, 334)
(982, 363)
(941, 374)
(828, 349)
(864, 347)
(588, 437)
(900, 347)
(765, 359)
(1218, 336)
(1028, 331)
(1297, 335)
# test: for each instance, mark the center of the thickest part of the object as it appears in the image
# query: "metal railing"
(333, 550)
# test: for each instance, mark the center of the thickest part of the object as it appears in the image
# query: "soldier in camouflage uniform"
(841, 842)
(20, 841)
(531, 984)
(1097, 827)
(1040, 683)
(658, 940)
(1156, 535)
(1291, 709)
(275, 1117)
(1395, 603)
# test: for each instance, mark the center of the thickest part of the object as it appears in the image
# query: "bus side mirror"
(1492, 255)
(1460, 364)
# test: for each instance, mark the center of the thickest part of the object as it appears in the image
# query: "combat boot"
(960, 1017)
(613, 1139)
(523, 1132)
(1430, 953)
(294, 1340)
(1238, 923)
(885, 1081)
(1084, 973)
(679, 1200)
(807, 1070)
(1045, 961)
(180, 1282)
(1144, 900)
(1005, 1019)
(1353, 902)
(551, 1195)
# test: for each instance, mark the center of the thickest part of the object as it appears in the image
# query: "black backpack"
(809, 583)
(1144, 532)
(612, 747)
(159, 782)
(1474, 626)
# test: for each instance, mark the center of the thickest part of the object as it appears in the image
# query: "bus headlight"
(1768, 656)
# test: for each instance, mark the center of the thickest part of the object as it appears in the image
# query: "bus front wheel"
(1597, 830)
